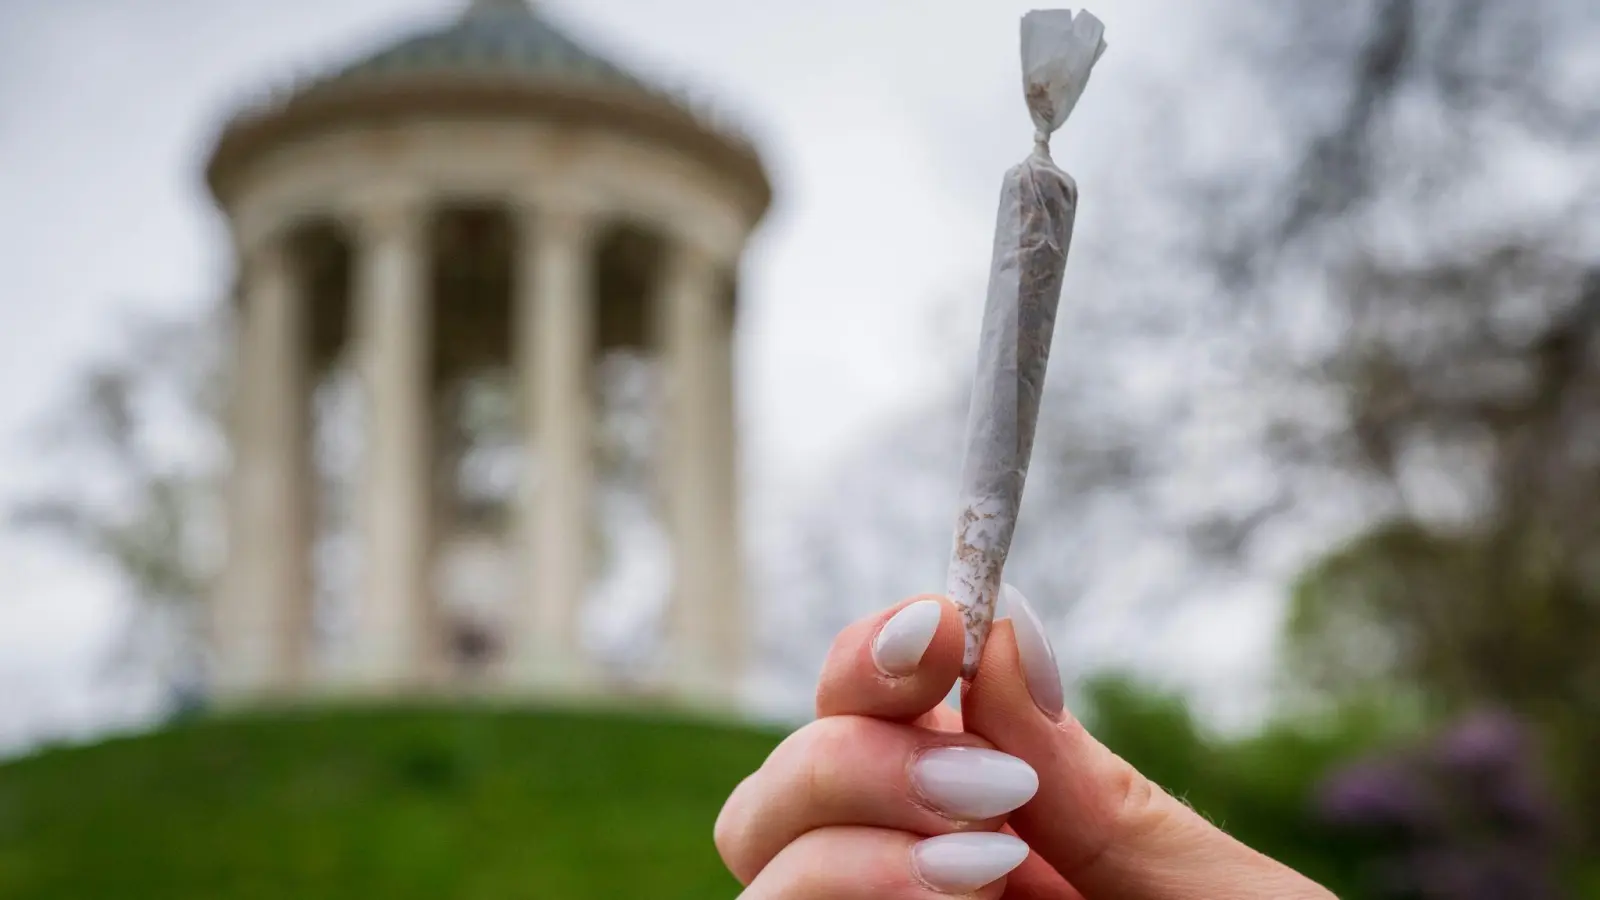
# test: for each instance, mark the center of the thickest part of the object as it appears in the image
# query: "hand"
(884, 796)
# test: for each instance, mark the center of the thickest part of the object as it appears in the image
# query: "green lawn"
(382, 803)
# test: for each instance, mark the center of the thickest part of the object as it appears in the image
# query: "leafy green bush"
(1259, 789)
(1264, 789)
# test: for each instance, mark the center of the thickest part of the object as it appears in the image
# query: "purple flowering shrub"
(1465, 817)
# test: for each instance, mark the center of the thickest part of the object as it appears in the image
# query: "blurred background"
(330, 568)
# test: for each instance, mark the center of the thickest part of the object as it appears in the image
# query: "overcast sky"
(886, 125)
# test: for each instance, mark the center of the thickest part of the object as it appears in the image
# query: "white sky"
(107, 107)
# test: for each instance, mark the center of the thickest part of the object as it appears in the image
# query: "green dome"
(491, 37)
(496, 58)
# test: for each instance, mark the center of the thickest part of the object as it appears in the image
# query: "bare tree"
(137, 452)
(1436, 239)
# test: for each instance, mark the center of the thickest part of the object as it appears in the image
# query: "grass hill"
(441, 803)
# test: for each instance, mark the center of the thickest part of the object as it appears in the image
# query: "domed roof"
(500, 37)
(496, 57)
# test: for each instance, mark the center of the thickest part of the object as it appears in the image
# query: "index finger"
(898, 664)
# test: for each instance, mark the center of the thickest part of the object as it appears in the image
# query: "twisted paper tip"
(1059, 49)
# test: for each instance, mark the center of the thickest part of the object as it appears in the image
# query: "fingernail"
(961, 863)
(972, 783)
(1039, 669)
(905, 638)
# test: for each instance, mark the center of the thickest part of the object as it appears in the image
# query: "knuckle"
(726, 831)
(1135, 812)
(1131, 814)
(818, 757)
(801, 782)
(729, 831)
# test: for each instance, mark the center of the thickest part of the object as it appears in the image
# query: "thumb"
(1102, 825)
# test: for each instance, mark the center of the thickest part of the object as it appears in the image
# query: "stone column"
(698, 464)
(261, 620)
(396, 640)
(555, 338)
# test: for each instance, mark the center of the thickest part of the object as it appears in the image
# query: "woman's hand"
(883, 796)
(839, 808)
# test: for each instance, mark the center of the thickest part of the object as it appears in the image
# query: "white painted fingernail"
(962, 863)
(1039, 669)
(899, 647)
(972, 783)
